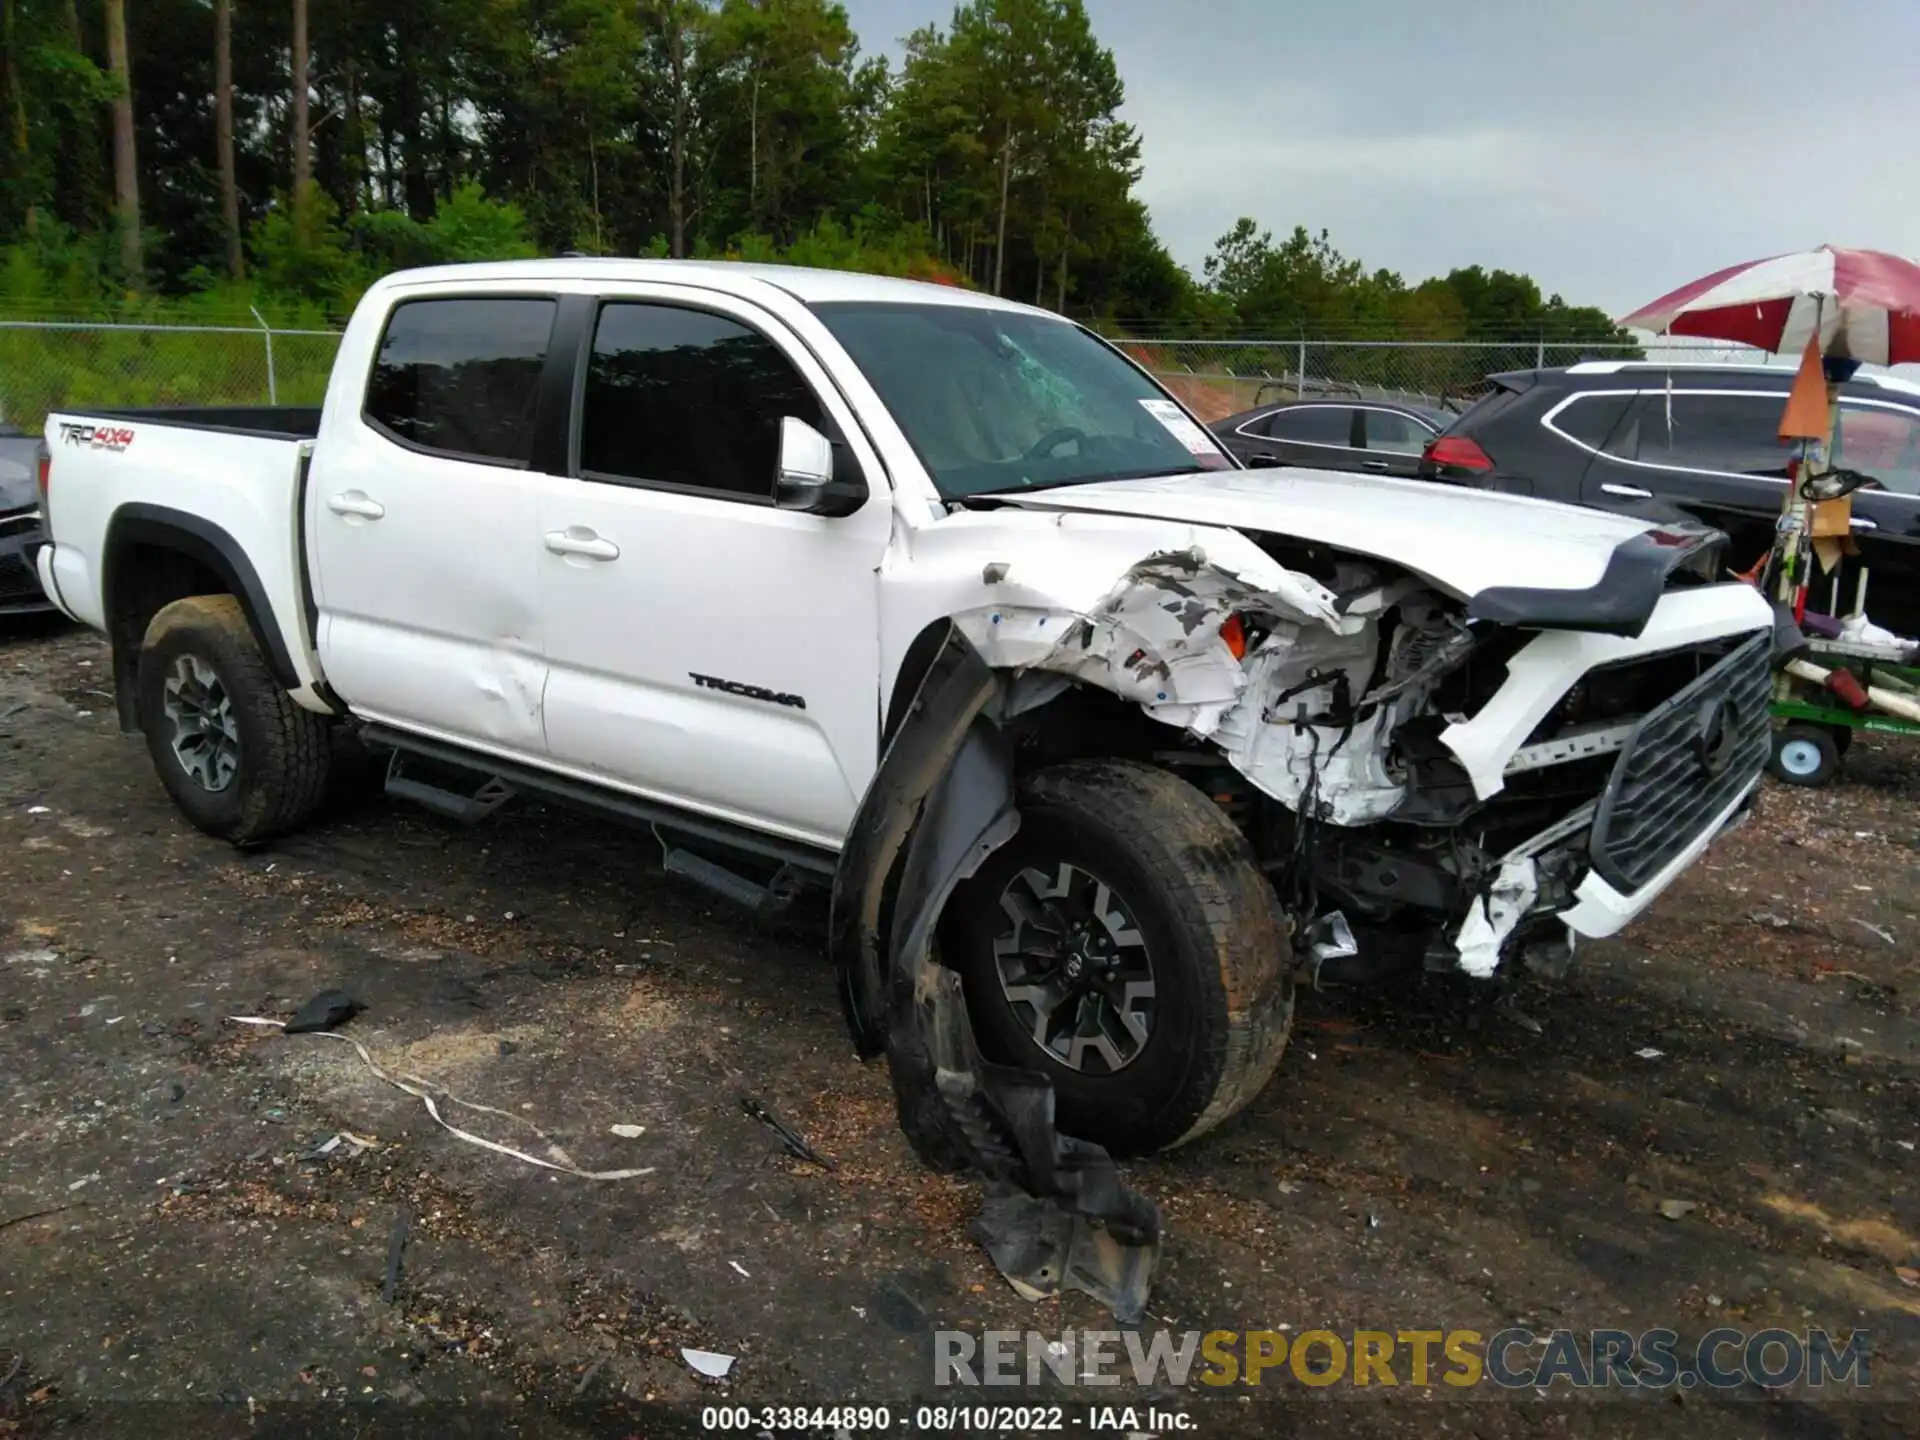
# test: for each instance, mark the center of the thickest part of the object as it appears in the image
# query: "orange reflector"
(1235, 634)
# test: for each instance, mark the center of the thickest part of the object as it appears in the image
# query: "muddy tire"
(1126, 943)
(239, 758)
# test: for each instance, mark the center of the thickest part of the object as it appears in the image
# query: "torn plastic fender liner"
(942, 801)
(957, 686)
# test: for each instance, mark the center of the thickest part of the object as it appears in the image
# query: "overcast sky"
(1612, 149)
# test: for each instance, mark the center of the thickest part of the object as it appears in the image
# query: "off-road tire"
(285, 752)
(1222, 964)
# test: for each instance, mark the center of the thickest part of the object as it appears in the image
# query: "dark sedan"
(1382, 437)
(22, 531)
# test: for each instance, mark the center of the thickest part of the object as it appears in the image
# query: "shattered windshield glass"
(999, 400)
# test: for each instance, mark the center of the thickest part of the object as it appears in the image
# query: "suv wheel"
(239, 758)
(1126, 944)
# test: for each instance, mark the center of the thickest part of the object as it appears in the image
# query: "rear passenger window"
(1735, 434)
(1395, 434)
(1596, 421)
(462, 376)
(689, 399)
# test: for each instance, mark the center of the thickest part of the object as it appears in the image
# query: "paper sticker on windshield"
(1196, 440)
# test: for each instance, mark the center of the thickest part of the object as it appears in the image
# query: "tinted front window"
(1737, 434)
(686, 397)
(1313, 425)
(462, 376)
(1003, 400)
(1882, 443)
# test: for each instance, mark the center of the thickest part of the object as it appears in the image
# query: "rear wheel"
(1126, 944)
(239, 758)
(1804, 755)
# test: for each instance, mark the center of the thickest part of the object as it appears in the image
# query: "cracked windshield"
(997, 400)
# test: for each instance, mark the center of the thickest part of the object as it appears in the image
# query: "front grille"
(1671, 780)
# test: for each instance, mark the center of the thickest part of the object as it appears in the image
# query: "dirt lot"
(1416, 1164)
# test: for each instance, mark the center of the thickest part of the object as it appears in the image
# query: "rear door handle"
(356, 503)
(1860, 522)
(578, 540)
(1627, 492)
(1375, 465)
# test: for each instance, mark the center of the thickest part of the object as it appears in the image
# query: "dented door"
(422, 520)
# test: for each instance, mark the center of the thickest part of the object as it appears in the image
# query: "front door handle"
(1860, 522)
(1627, 492)
(578, 540)
(356, 503)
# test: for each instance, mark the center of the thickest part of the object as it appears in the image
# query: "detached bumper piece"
(1057, 1214)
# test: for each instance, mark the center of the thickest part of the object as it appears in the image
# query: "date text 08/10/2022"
(945, 1419)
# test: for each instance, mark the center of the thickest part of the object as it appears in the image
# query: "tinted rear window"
(1594, 420)
(462, 376)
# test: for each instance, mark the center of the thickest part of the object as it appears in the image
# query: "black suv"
(1659, 440)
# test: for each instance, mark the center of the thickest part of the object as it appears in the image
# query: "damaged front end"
(1423, 787)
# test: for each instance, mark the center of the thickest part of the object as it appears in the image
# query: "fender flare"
(205, 543)
(942, 800)
(926, 734)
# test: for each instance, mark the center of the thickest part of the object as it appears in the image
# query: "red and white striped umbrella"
(1865, 303)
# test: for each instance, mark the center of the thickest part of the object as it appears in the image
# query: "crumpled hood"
(1465, 541)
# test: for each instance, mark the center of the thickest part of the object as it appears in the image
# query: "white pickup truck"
(943, 603)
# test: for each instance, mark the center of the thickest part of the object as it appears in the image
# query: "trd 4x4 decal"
(95, 437)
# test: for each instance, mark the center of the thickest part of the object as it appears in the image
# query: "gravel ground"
(1420, 1161)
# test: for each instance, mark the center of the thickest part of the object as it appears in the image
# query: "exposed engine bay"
(1350, 702)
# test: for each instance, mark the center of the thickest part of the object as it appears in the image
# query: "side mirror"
(816, 476)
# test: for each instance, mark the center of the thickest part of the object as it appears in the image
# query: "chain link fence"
(1218, 378)
(55, 364)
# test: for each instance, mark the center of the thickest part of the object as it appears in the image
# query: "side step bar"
(494, 782)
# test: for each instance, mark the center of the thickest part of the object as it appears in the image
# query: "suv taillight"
(1458, 453)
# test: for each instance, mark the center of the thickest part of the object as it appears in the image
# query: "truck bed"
(218, 485)
(267, 422)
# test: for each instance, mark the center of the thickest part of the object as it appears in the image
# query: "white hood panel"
(1462, 540)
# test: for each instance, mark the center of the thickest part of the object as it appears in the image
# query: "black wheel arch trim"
(204, 542)
(941, 801)
(1620, 602)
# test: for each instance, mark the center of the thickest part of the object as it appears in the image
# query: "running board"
(766, 900)
(798, 863)
(491, 794)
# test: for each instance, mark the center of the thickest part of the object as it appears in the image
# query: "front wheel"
(239, 758)
(1126, 944)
